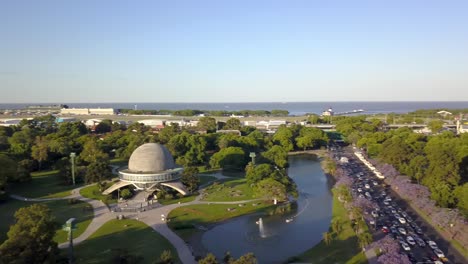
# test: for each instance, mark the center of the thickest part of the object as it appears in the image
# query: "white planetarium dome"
(150, 158)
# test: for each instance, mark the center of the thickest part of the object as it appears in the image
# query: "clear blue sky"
(233, 51)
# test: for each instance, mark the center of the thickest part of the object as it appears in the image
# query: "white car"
(359, 189)
(402, 230)
(432, 244)
(402, 220)
(439, 253)
(374, 214)
(405, 246)
(410, 240)
(374, 183)
(367, 186)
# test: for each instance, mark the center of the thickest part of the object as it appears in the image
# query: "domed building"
(150, 166)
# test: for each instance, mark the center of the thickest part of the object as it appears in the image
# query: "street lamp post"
(72, 157)
(252, 155)
(69, 227)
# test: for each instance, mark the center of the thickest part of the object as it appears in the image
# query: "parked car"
(432, 244)
(439, 253)
(402, 230)
(405, 246)
(402, 220)
(410, 240)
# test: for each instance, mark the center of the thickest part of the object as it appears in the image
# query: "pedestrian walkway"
(152, 218)
(370, 255)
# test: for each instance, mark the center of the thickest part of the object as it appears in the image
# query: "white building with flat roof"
(87, 111)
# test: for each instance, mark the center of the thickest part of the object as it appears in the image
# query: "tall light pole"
(72, 157)
(69, 227)
(252, 155)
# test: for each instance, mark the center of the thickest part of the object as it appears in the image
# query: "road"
(397, 206)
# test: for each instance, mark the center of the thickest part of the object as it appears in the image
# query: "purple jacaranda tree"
(386, 245)
(395, 258)
(364, 204)
(344, 180)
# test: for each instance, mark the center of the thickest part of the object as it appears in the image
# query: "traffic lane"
(419, 252)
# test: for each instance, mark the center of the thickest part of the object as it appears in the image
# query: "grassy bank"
(93, 192)
(184, 199)
(43, 184)
(135, 237)
(229, 190)
(183, 220)
(343, 249)
(62, 210)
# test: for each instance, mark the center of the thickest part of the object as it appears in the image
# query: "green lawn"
(93, 192)
(118, 161)
(44, 184)
(229, 190)
(184, 199)
(183, 219)
(61, 209)
(132, 235)
(343, 249)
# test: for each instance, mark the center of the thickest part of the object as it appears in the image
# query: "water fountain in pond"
(261, 228)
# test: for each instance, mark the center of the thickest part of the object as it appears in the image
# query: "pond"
(273, 239)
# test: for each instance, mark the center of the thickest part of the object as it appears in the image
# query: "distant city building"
(444, 113)
(62, 119)
(92, 123)
(10, 122)
(154, 123)
(328, 112)
(461, 127)
(87, 111)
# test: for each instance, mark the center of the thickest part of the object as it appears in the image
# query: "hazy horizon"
(243, 51)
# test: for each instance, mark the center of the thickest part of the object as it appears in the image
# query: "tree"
(272, 189)
(207, 123)
(30, 239)
(22, 141)
(276, 155)
(327, 238)
(231, 158)
(284, 136)
(435, 126)
(104, 126)
(461, 195)
(97, 172)
(39, 151)
(233, 123)
(365, 239)
(23, 171)
(168, 132)
(8, 170)
(248, 258)
(92, 153)
(310, 137)
(126, 193)
(190, 178)
(254, 174)
(337, 225)
(209, 259)
(165, 258)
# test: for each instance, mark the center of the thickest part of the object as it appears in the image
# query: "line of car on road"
(390, 219)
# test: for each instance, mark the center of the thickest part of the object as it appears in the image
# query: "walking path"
(152, 218)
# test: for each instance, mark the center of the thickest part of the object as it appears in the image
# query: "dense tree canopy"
(30, 239)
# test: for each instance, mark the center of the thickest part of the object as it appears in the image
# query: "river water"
(280, 240)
